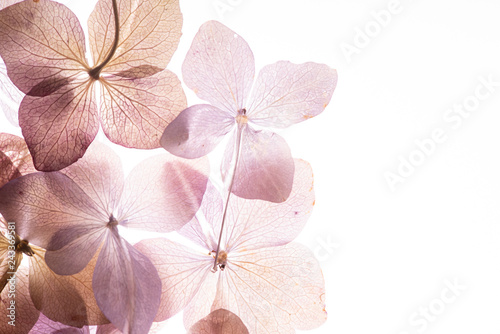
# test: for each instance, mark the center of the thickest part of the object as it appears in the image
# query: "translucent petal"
(126, 286)
(196, 131)
(219, 67)
(24, 314)
(183, 273)
(41, 42)
(15, 158)
(254, 224)
(100, 175)
(59, 127)
(274, 290)
(265, 166)
(211, 211)
(42, 204)
(149, 33)
(163, 193)
(287, 93)
(135, 112)
(66, 299)
(10, 96)
(46, 326)
(219, 322)
(111, 329)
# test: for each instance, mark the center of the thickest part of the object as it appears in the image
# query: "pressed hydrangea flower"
(219, 68)
(65, 299)
(131, 43)
(75, 213)
(272, 285)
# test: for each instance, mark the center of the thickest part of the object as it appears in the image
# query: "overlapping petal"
(10, 96)
(163, 193)
(15, 159)
(60, 126)
(219, 322)
(23, 314)
(182, 271)
(274, 290)
(42, 204)
(126, 285)
(254, 224)
(100, 176)
(46, 326)
(265, 166)
(135, 111)
(197, 131)
(219, 67)
(41, 42)
(149, 33)
(66, 299)
(287, 93)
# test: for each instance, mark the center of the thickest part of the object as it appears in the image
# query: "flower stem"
(96, 71)
(237, 155)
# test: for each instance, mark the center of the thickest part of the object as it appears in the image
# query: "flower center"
(222, 259)
(112, 222)
(242, 118)
(24, 247)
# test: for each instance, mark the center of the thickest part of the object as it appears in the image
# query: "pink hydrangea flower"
(220, 69)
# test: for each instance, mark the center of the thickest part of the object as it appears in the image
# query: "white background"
(385, 253)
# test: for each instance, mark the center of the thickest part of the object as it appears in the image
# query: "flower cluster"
(225, 255)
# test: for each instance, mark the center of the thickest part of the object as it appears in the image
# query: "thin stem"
(238, 145)
(96, 71)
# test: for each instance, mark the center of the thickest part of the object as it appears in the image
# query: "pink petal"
(66, 299)
(59, 127)
(100, 175)
(25, 313)
(274, 290)
(254, 224)
(72, 247)
(265, 166)
(287, 93)
(211, 210)
(41, 42)
(10, 96)
(43, 204)
(149, 33)
(135, 112)
(111, 329)
(126, 285)
(15, 158)
(46, 326)
(196, 131)
(183, 273)
(219, 67)
(163, 193)
(219, 322)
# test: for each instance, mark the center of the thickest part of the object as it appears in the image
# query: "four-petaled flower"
(271, 284)
(43, 46)
(219, 68)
